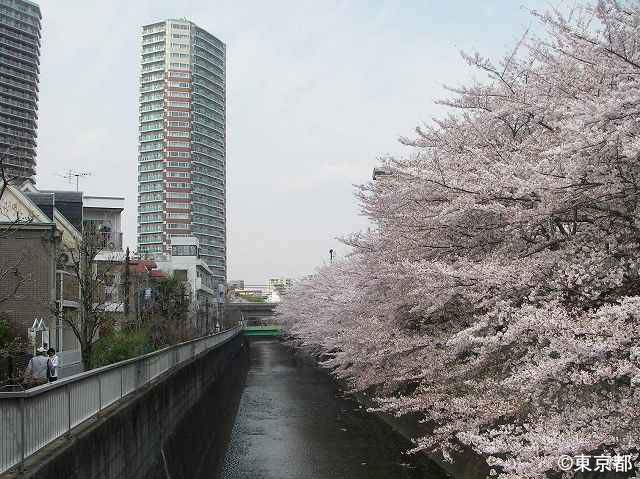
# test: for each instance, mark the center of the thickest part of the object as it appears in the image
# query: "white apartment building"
(182, 142)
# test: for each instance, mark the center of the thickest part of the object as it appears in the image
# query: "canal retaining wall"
(175, 428)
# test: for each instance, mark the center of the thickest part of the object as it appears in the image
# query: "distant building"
(279, 285)
(125, 285)
(236, 284)
(251, 293)
(182, 142)
(274, 297)
(186, 264)
(19, 77)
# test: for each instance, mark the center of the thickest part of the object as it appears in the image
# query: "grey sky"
(316, 90)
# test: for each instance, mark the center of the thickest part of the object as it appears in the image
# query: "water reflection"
(294, 423)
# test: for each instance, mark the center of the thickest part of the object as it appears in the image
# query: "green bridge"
(262, 330)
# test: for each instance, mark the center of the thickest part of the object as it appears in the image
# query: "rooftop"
(104, 202)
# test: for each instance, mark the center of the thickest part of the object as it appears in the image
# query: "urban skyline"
(283, 173)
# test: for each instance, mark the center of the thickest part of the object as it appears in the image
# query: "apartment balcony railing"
(20, 104)
(32, 40)
(111, 241)
(27, 145)
(4, 80)
(13, 44)
(30, 58)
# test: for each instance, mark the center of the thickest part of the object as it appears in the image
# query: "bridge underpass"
(256, 319)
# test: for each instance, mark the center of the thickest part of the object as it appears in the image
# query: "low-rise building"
(33, 238)
(186, 265)
(127, 285)
(279, 285)
(104, 214)
(236, 284)
(251, 293)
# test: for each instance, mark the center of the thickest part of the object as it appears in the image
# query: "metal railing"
(111, 240)
(31, 419)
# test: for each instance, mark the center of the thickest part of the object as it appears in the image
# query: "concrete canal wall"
(175, 428)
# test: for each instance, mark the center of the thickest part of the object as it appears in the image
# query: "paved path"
(294, 423)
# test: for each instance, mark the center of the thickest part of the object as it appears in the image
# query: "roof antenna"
(71, 174)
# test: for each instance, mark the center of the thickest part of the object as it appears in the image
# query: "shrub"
(120, 345)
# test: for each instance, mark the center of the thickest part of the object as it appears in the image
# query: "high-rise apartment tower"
(181, 163)
(19, 73)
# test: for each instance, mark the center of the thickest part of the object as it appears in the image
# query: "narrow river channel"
(293, 422)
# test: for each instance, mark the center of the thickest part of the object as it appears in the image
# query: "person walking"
(52, 365)
(36, 372)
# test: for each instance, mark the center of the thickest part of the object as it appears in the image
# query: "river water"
(293, 422)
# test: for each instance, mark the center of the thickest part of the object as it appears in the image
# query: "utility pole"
(206, 308)
(331, 255)
(126, 285)
(59, 312)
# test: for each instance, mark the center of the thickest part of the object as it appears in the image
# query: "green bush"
(120, 345)
(252, 298)
(12, 340)
(5, 333)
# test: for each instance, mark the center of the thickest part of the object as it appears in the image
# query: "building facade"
(186, 265)
(33, 239)
(104, 214)
(84, 216)
(182, 145)
(19, 76)
(280, 285)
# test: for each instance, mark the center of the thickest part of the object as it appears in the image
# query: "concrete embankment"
(177, 427)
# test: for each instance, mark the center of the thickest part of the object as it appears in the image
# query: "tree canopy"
(497, 292)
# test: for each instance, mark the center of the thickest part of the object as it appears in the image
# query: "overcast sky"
(316, 91)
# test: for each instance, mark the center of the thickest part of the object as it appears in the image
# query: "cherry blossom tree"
(497, 293)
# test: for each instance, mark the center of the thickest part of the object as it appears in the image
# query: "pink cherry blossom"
(497, 292)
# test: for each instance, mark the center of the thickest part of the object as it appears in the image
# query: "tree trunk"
(87, 353)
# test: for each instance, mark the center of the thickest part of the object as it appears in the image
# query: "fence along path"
(31, 419)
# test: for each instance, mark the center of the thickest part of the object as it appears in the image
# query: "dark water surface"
(293, 422)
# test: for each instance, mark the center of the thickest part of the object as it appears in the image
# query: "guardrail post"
(66, 387)
(99, 395)
(22, 435)
(121, 381)
(138, 373)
